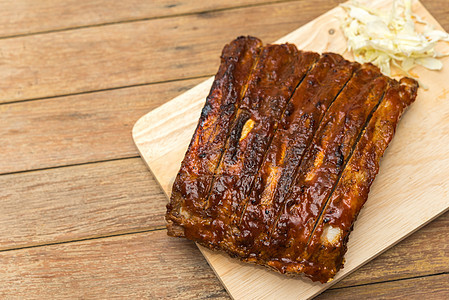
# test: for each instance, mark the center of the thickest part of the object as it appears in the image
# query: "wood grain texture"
(28, 16)
(153, 50)
(433, 287)
(97, 58)
(150, 265)
(101, 199)
(96, 200)
(77, 129)
(396, 207)
(440, 10)
(423, 253)
(78, 202)
(140, 266)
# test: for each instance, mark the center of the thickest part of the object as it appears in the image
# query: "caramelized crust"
(285, 151)
(327, 245)
(193, 181)
(296, 130)
(278, 72)
(325, 160)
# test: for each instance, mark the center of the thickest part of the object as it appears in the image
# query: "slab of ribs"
(282, 159)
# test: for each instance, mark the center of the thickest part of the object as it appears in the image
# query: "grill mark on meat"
(236, 104)
(342, 162)
(281, 68)
(236, 215)
(235, 118)
(247, 174)
(240, 57)
(287, 189)
(230, 154)
(319, 170)
(352, 190)
(319, 88)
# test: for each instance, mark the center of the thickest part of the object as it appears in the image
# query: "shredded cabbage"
(390, 38)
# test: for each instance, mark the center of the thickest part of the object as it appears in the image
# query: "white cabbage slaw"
(385, 38)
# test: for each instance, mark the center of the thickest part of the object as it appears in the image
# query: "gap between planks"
(89, 238)
(416, 287)
(103, 122)
(196, 54)
(70, 165)
(204, 76)
(144, 234)
(186, 47)
(385, 281)
(78, 203)
(173, 15)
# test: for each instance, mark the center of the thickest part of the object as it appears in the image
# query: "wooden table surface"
(80, 214)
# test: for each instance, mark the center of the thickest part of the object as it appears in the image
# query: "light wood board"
(411, 188)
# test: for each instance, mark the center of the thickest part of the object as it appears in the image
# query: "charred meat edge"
(238, 61)
(327, 245)
(279, 71)
(310, 102)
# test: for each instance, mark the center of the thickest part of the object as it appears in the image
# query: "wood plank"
(147, 265)
(150, 265)
(28, 16)
(409, 191)
(78, 202)
(77, 129)
(121, 196)
(440, 10)
(137, 53)
(80, 191)
(59, 286)
(431, 287)
(142, 52)
(423, 253)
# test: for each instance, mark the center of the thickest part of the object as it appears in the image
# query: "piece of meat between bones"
(283, 156)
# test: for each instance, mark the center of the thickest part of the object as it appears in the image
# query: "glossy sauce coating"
(278, 72)
(325, 160)
(294, 135)
(193, 181)
(353, 188)
(277, 176)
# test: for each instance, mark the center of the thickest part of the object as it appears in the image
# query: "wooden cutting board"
(410, 190)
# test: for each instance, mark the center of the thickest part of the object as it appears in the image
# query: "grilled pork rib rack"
(284, 154)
